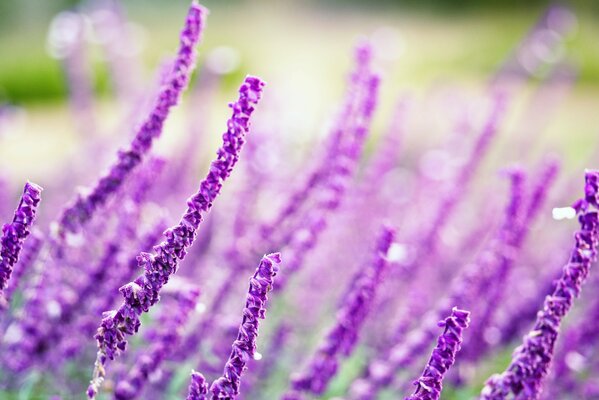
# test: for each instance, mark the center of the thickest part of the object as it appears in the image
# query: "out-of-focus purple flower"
(5, 207)
(244, 348)
(342, 127)
(81, 210)
(530, 362)
(305, 235)
(465, 289)
(66, 41)
(430, 384)
(419, 265)
(42, 337)
(494, 287)
(143, 292)
(170, 330)
(15, 233)
(342, 337)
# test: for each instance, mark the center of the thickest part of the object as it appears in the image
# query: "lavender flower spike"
(167, 338)
(244, 348)
(83, 207)
(531, 361)
(15, 233)
(429, 385)
(143, 292)
(342, 337)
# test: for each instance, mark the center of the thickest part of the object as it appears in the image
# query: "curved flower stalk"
(143, 292)
(244, 348)
(31, 249)
(171, 325)
(15, 233)
(124, 273)
(429, 385)
(81, 210)
(530, 361)
(343, 336)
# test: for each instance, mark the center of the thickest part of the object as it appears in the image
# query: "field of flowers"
(388, 208)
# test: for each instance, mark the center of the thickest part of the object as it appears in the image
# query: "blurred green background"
(302, 49)
(464, 39)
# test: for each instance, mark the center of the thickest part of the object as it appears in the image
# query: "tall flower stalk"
(143, 292)
(342, 337)
(430, 383)
(15, 233)
(81, 210)
(244, 347)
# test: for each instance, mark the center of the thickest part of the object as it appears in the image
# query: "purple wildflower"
(429, 385)
(172, 324)
(143, 292)
(333, 147)
(494, 286)
(82, 209)
(31, 249)
(305, 236)
(15, 233)
(342, 337)
(244, 348)
(418, 300)
(464, 290)
(198, 387)
(530, 361)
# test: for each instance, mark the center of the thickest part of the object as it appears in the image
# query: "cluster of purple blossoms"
(105, 269)
(429, 385)
(143, 292)
(15, 233)
(244, 347)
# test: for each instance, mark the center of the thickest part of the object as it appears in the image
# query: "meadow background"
(303, 50)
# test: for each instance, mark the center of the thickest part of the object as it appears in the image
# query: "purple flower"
(143, 292)
(31, 249)
(362, 83)
(531, 361)
(509, 244)
(15, 233)
(305, 235)
(342, 337)
(244, 348)
(429, 385)
(198, 387)
(81, 210)
(171, 326)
